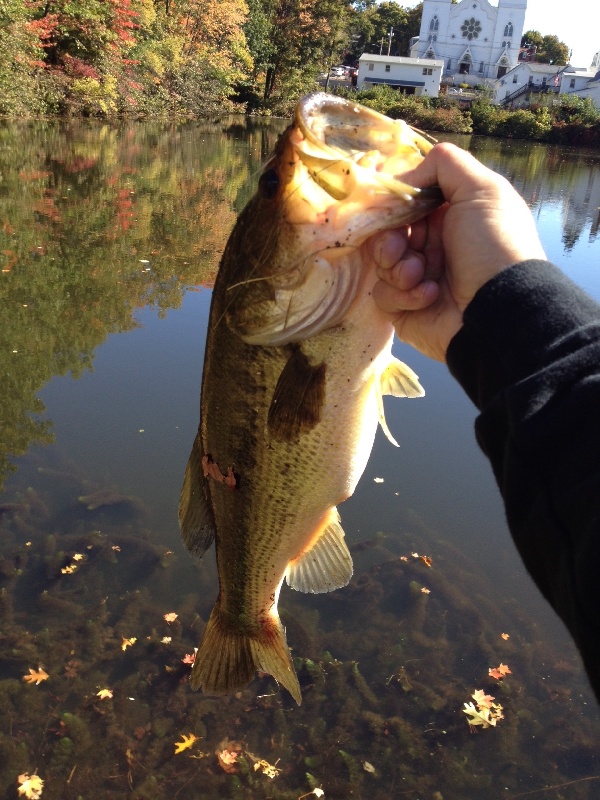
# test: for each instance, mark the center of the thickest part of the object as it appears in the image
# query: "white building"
(582, 82)
(518, 84)
(417, 76)
(477, 42)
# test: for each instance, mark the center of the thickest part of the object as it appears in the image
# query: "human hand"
(430, 273)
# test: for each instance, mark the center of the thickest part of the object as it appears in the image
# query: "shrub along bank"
(565, 119)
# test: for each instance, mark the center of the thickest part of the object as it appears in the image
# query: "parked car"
(338, 72)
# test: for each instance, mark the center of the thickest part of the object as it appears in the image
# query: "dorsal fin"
(327, 565)
(398, 380)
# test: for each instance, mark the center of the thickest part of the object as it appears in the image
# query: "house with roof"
(582, 82)
(477, 41)
(417, 76)
(528, 78)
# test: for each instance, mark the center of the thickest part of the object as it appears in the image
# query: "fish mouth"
(358, 156)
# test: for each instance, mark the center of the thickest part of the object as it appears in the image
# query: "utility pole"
(390, 34)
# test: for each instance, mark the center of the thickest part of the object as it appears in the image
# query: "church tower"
(477, 41)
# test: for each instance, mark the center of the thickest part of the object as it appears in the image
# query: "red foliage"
(77, 68)
(123, 22)
(44, 29)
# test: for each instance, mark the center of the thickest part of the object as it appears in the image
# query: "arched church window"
(434, 25)
(471, 28)
(508, 29)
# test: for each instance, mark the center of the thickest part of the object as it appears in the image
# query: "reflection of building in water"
(581, 205)
(561, 182)
(477, 40)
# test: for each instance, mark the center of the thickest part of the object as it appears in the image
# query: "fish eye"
(269, 183)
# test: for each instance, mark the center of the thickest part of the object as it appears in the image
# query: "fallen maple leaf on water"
(125, 643)
(188, 741)
(104, 694)
(487, 712)
(31, 786)
(482, 699)
(227, 754)
(499, 672)
(505, 636)
(170, 617)
(36, 676)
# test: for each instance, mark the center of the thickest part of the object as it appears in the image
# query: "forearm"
(528, 355)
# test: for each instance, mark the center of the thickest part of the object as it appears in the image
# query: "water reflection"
(98, 221)
(106, 230)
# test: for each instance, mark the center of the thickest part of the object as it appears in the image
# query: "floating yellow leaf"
(505, 636)
(485, 717)
(36, 676)
(125, 643)
(31, 786)
(270, 770)
(104, 694)
(425, 590)
(78, 557)
(69, 569)
(188, 741)
(170, 617)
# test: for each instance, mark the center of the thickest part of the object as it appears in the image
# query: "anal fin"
(326, 566)
(195, 516)
(398, 380)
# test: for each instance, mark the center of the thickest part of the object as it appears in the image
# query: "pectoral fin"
(326, 566)
(298, 398)
(195, 516)
(398, 380)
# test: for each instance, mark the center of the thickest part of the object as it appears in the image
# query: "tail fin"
(227, 659)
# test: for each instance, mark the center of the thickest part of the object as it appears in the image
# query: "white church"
(477, 41)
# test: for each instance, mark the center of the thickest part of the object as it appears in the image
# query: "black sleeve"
(528, 356)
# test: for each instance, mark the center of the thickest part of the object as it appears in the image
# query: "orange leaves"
(170, 617)
(227, 754)
(104, 694)
(487, 713)
(499, 672)
(125, 643)
(36, 676)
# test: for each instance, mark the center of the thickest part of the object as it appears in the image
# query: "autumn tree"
(293, 40)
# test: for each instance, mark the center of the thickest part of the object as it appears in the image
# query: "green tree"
(549, 49)
(304, 36)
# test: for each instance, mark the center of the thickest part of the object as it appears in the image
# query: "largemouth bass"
(298, 358)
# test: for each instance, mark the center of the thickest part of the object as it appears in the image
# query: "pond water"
(110, 239)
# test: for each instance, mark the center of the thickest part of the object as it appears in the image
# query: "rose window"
(471, 28)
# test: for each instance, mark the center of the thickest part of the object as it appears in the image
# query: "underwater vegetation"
(419, 679)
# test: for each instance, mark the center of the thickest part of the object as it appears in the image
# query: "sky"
(573, 21)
